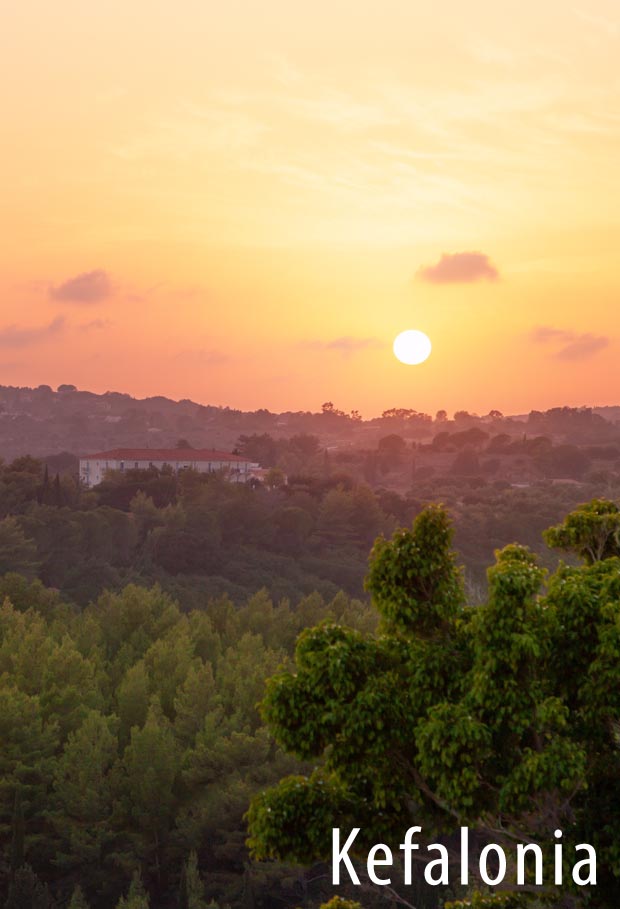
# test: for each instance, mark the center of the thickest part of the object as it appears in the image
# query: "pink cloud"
(460, 268)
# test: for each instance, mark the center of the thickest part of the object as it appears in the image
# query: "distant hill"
(40, 421)
(43, 422)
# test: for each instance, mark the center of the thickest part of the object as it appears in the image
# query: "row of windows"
(86, 466)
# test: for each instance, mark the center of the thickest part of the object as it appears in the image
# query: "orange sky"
(233, 202)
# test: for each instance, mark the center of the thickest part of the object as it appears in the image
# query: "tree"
(466, 463)
(137, 898)
(191, 889)
(26, 762)
(132, 698)
(78, 900)
(502, 717)
(84, 796)
(592, 531)
(263, 448)
(304, 444)
(18, 552)
(328, 410)
(195, 700)
(27, 892)
(150, 769)
(391, 449)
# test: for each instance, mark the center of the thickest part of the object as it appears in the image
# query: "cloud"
(13, 336)
(460, 268)
(544, 333)
(582, 347)
(574, 346)
(87, 287)
(346, 345)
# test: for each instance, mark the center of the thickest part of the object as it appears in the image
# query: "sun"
(412, 347)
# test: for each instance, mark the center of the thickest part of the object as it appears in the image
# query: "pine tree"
(17, 551)
(191, 889)
(78, 900)
(27, 892)
(137, 898)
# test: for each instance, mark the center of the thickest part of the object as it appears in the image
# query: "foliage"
(27, 892)
(78, 900)
(481, 900)
(130, 738)
(592, 531)
(337, 902)
(500, 717)
(191, 889)
(137, 897)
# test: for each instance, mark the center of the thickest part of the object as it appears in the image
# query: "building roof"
(169, 455)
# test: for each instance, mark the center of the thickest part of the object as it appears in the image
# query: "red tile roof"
(169, 455)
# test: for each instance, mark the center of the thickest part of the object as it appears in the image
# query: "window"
(122, 465)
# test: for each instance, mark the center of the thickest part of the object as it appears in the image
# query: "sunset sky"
(242, 203)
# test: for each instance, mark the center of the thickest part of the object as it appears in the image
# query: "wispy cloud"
(583, 347)
(544, 333)
(345, 345)
(574, 346)
(460, 268)
(87, 287)
(14, 336)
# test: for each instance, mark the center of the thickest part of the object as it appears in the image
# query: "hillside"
(41, 422)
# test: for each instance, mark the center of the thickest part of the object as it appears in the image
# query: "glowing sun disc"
(412, 347)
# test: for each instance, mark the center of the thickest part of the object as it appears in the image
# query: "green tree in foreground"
(503, 717)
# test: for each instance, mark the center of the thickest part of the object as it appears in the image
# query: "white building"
(93, 468)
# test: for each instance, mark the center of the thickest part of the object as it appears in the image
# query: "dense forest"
(131, 739)
(199, 536)
(141, 619)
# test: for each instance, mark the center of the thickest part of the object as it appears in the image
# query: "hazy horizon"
(316, 408)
